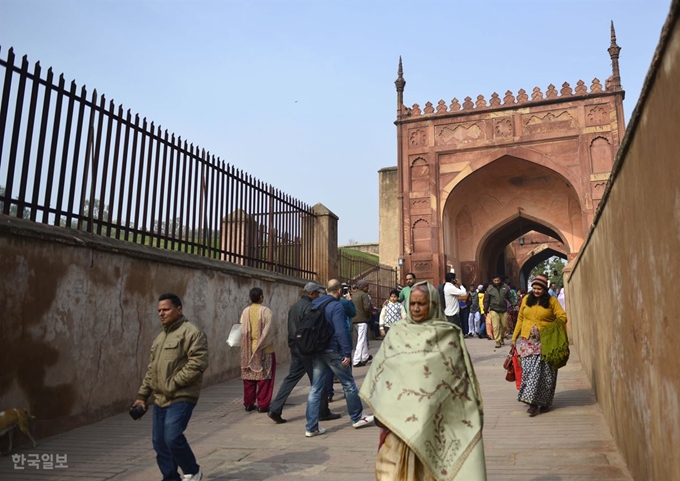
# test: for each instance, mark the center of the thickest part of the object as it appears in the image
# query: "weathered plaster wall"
(389, 216)
(622, 301)
(79, 316)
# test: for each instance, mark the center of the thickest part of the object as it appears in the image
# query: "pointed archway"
(497, 204)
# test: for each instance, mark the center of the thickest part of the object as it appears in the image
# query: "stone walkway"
(570, 443)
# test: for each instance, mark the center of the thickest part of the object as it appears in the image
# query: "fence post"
(325, 244)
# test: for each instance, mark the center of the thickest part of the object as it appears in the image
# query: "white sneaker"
(318, 432)
(193, 477)
(365, 421)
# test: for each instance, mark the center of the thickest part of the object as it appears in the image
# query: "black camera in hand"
(137, 412)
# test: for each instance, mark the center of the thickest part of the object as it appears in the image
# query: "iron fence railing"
(80, 162)
(381, 279)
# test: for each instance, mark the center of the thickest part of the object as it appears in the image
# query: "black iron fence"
(381, 279)
(83, 163)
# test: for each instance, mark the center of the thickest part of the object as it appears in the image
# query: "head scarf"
(422, 386)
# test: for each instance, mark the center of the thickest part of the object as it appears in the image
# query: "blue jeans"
(331, 361)
(172, 448)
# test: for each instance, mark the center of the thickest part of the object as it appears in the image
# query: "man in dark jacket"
(496, 308)
(299, 363)
(336, 357)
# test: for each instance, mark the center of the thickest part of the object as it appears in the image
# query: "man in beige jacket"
(179, 356)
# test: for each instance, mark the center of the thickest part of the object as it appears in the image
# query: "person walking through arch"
(496, 307)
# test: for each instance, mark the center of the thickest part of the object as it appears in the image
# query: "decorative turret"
(400, 83)
(614, 50)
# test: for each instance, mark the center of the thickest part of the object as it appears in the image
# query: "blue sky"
(301, 93)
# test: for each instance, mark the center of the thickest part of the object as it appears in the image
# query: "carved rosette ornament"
(418, 138)
(503, 127)
(598, 115)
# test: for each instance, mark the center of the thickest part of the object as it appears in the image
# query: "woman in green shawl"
(425, 396)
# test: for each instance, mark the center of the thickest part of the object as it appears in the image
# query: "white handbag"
(234, 339)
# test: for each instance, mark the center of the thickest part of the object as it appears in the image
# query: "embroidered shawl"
(422, 387)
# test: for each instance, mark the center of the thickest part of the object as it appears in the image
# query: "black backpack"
(313, 333)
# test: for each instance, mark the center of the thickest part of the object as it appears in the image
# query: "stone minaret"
(614, 50)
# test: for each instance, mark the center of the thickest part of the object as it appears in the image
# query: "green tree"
(552, 268)
(13, 208)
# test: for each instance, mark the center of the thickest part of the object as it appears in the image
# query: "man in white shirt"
(452, 290)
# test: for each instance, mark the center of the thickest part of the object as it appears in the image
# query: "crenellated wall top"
(508, 100)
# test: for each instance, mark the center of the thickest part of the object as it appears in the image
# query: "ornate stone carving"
(415, 110)
(581, 88)
(596, 87)
(441, 107)
(455, 106)
(429, 109)
(609, 83)
(503, 127)
(551, 93)
(495, 100)
(598, 190)
(550, 122)
(597, 115)
(463, 133)
(537, 94)
(481, 103)
(522, 96)
(467, 104)
(417, 138)
(420, 203)
(566, 90)
(422, 266)
(509, 99)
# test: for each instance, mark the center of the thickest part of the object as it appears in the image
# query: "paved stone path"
(570, 443)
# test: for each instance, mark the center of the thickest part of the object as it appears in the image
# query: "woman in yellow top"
(539, 379)
(258, 362)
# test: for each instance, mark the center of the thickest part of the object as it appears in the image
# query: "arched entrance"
(491, 209)
(475, 176)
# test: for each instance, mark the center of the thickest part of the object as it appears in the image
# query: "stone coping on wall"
(24, 228)
(470, 107)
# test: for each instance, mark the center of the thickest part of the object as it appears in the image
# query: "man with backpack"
(299, 363)
(335, 356)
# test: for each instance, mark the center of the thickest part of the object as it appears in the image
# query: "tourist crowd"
(421, 385)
